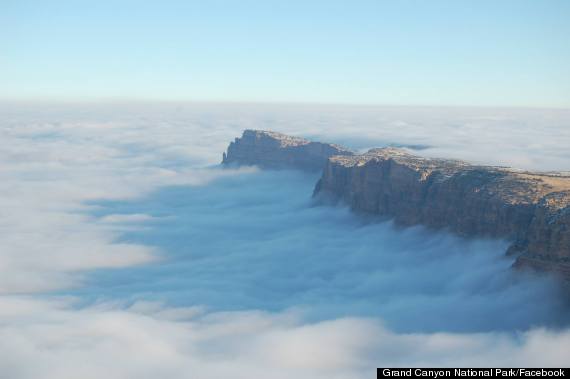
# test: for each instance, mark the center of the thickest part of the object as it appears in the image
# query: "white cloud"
(49, 339)
(56, 164)
(49, 167)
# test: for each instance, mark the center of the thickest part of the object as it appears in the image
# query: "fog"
(127, 252)
(257, 241)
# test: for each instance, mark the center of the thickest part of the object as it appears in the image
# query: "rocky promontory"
(531, 209)
(279, 151)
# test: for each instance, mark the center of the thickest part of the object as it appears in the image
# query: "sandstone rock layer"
(531, 209)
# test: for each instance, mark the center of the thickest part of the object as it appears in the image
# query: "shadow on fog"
(256, 241)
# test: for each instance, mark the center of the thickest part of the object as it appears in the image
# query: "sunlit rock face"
(278, 151)
(531, 209)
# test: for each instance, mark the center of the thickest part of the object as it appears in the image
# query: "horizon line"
(134, 101)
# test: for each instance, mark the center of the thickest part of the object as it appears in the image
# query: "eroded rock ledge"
(277, 151)
(529, 208)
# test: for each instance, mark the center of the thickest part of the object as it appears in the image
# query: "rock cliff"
(531, 209)
(277, 151)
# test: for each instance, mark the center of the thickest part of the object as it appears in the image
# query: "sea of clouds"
(128, 253)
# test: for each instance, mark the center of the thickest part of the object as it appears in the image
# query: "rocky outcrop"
(278, 151)
(530, 209)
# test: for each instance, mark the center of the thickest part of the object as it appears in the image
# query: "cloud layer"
(257, 241)
(48, 340)
(126, 254)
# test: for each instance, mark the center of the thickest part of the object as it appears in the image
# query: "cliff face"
(548, 237)
(531, 209)
(277, 151)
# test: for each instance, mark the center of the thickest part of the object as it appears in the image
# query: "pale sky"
(442, 52)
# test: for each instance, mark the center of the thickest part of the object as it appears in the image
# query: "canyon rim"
(531, 209)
